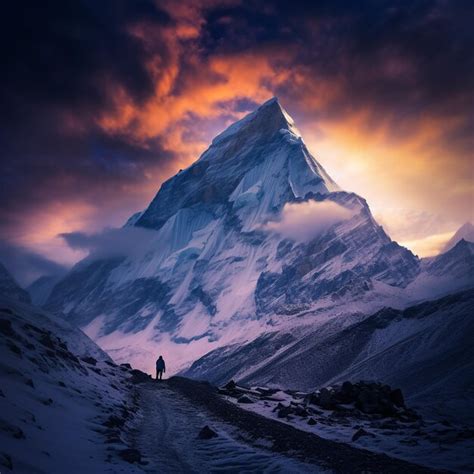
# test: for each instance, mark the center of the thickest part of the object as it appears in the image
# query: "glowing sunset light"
(98, 135)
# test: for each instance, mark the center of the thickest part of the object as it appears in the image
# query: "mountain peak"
(465, 232)
(256, 165)
(267, 120)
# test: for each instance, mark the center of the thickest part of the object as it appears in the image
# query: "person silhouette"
(160, 368)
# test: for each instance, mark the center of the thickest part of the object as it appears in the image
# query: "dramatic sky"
(103, 100)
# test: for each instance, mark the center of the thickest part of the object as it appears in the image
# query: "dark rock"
(311, 398)
(230, 385)
(326, 399)
(347, 387)
(126, 366)
(346, 393)
(300, 411)
(361, 432)
(6, 328)
(278, 407)
(385, 407)
(396, 396)
(61, 384)
(284, 411)
(46, 341)
(207, 433)
(1, 393)
(367, 400)
(89, 360)
(223, 391)
(408, 416)
(114, 422)
(30, 383)
(131, 455)
(14, 348)
(47, 402)
(245, 399)
(139, 377)
(312, 421)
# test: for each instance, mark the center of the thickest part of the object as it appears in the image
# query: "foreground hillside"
(58, 391)
(65, 406)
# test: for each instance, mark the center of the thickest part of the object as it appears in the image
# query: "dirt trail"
(285, 440)
(166, 435)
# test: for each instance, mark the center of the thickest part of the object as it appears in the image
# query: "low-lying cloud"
(305, 220)
(26, 266)
(110, 243)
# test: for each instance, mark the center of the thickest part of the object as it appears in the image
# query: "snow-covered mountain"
(8, 286)
(466, 232)
(254, 236)
(425, 349)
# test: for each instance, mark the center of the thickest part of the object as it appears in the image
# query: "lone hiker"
(160, 368)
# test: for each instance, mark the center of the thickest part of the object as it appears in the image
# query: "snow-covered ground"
(65, 406)
(57, 391)
(439, 445)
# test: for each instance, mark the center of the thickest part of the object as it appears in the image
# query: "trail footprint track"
(166, 435)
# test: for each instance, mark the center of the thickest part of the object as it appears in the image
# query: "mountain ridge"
(10, 287)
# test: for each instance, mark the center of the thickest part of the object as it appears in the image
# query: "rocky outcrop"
(366, 397)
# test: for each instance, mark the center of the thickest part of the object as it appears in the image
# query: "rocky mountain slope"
(253, 236)
(424, 349)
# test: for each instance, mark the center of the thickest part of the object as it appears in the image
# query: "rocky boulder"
(372, 398)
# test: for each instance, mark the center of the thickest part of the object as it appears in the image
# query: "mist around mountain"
(465, 232)
(40, 289)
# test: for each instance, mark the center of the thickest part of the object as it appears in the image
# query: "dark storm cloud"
(73, 53)
(405, 58)
(63, 65)
(72, 70)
